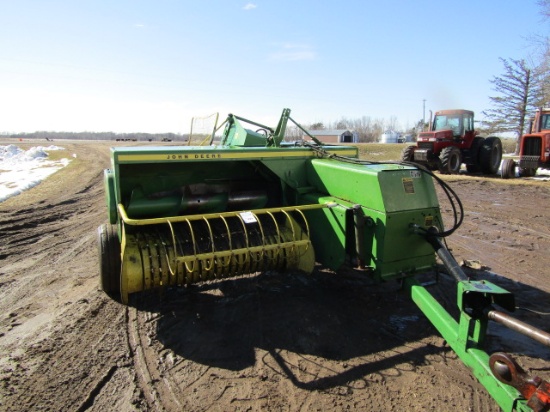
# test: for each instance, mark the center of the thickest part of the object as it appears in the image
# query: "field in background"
(380, 151)
(392, 151)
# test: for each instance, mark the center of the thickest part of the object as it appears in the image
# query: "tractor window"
(468, 123)
(453, 123)
(545, 123)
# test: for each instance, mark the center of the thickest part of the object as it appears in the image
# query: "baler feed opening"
(189, 249)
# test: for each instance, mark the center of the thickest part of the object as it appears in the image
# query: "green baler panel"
(110, 196)
(397, 249)
(392, 249)
(393, 197)
(327, 232)
(239, 136)
(388, 188)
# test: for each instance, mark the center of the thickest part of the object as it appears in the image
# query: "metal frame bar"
(175, 219)
(463, 342)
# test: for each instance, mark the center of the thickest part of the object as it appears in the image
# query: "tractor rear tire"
(450, 160)
(508, 170)
(407, 155)
(490, 155)
(109, 260)
(474, 166)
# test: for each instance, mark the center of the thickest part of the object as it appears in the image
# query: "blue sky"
(149, 66)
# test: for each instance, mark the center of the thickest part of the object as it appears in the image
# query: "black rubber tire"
(474, 155)
(508, 169)
(407, 154)
(450, 160)
(490, 155)
(527, 172)
(109, 260)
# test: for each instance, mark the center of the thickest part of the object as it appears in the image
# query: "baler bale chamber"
(180, 215)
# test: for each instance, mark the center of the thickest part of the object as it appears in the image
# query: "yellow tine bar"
(263, 238)
(194, 247)
(175, 250)
(228, 239)
(254, 249)
(247, 260)
(307, 226)
(176, 219)
(279, 237)
(209, 267)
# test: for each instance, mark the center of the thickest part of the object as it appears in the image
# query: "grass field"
(392, 151)
(380, 151)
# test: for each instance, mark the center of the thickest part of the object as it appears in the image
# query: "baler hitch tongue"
(534, 389)
(481, 307)
(476, 299)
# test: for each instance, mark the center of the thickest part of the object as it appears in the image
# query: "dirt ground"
(279, 342)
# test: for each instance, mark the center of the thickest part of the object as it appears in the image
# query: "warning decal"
(408, 185)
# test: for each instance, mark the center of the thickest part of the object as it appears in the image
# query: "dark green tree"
(317, 126)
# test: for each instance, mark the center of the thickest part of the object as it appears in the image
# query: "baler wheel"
(508, 169)
(451, 160)
(490, 155)
(109, 260)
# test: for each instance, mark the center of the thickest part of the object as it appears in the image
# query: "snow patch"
(21, 170)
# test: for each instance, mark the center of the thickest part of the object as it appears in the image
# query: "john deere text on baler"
(184, 214)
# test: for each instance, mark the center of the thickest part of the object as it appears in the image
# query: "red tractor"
(451, 141)
(534, 148)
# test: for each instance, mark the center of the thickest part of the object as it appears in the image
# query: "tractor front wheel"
(450, 160)
(109, 260)
(527, 172)
(490, 155)
(407, 155)
(508, 170)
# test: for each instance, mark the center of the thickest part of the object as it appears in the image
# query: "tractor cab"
(459, 122)
(541, 123)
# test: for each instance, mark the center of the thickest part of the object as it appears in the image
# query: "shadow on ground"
(324, 315)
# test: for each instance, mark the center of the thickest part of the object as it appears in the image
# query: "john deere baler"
(185, 214)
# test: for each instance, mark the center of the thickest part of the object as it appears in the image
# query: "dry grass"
(380, 151)
(392, 151)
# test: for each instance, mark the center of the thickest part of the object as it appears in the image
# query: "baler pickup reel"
(189, 249)
(255, 202)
